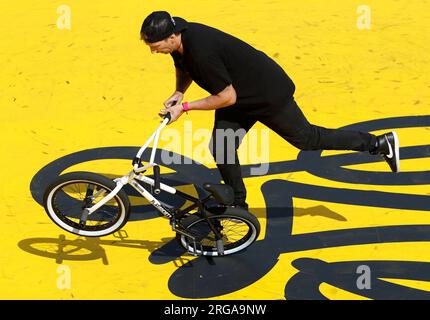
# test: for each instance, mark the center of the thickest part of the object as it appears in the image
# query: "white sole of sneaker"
(396, 150)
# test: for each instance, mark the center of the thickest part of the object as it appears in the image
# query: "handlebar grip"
(168, 116)
(157, 189)
(137, 161)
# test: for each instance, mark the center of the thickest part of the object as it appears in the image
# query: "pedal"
(188, 237)
(195, 246)
(184, 233)
(220, 247)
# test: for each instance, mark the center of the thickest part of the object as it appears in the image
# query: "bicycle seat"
(222, 193)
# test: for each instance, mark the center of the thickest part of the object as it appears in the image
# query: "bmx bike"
(92, 205)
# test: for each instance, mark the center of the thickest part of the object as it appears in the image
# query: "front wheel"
(67, 197)
(238, 227)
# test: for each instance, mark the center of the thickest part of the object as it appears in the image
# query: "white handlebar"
(155, 136)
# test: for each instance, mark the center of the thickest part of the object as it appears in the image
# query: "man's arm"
(225, 98)
(217, 79)
(183, 80)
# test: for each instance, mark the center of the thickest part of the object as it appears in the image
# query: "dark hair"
(157, 26)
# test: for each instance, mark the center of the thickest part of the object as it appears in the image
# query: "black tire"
(107, 219)
(198, 226)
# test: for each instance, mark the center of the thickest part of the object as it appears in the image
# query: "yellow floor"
(96, 85)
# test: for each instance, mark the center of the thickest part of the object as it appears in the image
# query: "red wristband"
(185, 106)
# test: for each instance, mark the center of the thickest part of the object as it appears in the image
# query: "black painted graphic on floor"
(204, 277)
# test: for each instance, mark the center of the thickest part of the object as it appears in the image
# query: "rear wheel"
(238, 227)
(67, 197)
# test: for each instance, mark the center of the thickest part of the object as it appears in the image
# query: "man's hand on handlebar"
(174, 106)
(175, 112)
(175, 98)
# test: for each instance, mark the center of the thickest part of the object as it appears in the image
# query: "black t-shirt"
(215, 59)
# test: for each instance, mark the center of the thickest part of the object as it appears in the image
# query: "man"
(245, 86)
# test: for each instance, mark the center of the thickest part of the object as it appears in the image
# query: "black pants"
(290, 123)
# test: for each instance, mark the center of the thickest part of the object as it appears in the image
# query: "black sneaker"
(387, 145)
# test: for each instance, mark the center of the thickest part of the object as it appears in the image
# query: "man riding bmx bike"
(245, 86)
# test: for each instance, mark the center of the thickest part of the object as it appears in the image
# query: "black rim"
(69, 200)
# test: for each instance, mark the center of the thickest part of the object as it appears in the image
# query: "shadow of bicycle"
(84, 248)
(165, 250)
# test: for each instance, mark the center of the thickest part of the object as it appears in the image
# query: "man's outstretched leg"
(290, 123)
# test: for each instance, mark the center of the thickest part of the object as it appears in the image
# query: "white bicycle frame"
(134, 175)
